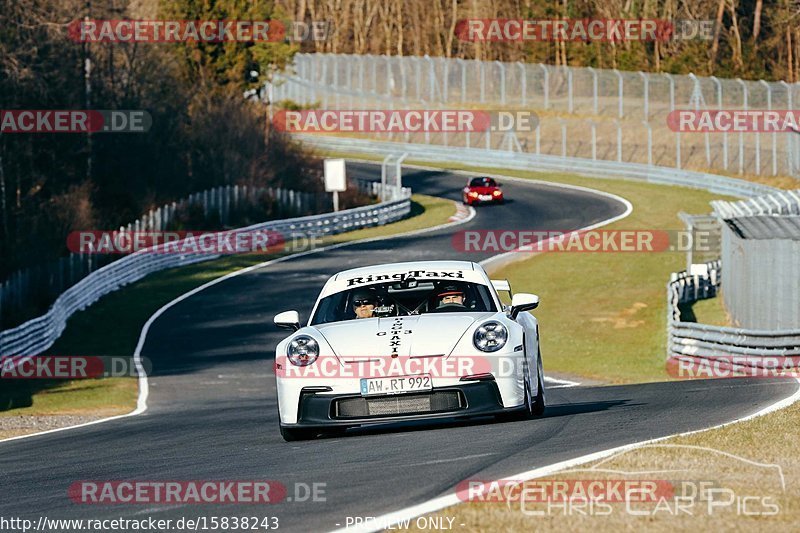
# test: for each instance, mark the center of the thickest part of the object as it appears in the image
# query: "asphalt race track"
(212, 406)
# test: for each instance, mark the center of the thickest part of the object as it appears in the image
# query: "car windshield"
(403, 299)
(482, 182)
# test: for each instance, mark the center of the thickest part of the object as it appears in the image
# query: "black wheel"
(524, 413)
(22, 400)
(295, 434)
(539, 401)
(5, 401)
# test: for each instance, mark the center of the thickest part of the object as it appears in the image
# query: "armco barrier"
(35, 336)
(44, 282)
(525, 161)
(690, 339)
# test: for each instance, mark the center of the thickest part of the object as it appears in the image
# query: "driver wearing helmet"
(364, 302)
(451, 296)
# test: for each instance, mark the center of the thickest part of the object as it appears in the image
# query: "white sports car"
(408, 341)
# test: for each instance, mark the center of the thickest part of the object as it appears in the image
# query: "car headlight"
(490, 337)
(302, 350)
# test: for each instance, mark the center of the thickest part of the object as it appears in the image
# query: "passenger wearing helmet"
(451, 296)
(364, 302)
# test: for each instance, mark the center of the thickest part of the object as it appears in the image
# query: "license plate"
(485, 197)
(395, 385)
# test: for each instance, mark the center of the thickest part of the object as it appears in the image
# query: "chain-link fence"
(584, 112)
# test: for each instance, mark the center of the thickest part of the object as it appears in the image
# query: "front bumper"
(318, 409)
(494, 200)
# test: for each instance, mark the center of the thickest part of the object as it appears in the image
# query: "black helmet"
(365, 295)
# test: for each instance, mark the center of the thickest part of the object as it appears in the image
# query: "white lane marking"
(449, 500)
(141, 406)
(462, 211)
(451, 460)
(144, 388)
(563, 382)
(486, 262)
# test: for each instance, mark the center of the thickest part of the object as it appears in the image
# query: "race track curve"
(212, 405)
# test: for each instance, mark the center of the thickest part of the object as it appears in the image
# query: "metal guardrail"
(525, 161)
(44, 282)
(778, 203)
(585, 112)
(35, 336)
(690, 339)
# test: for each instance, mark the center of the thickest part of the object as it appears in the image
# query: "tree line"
(752, 39)
(204, 133)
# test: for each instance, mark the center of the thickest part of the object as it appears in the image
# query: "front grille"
(398, 405)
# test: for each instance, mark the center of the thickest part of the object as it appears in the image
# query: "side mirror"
(523, 302)
(288, 320)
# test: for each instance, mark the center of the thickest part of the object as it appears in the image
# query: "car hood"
(407, 336)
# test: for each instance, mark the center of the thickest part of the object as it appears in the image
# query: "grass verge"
(711, 312)
(112, 325)
(740, 489)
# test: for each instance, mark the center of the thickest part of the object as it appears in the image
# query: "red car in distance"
(482, 191)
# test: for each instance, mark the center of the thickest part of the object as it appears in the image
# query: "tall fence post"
(594, 90)
(463, 64)
(502, 81)
(546, 86)
(774, 134)
(646, 92)
(620, 92)
(671, 80)
(570, 100)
